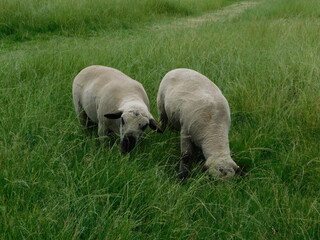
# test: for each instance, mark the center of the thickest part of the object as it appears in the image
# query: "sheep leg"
(79, 111)
(81, 114)
(83, 117)
(186, 158)
(163, 116)
(163, 120)
(101, 131)
(85, 120)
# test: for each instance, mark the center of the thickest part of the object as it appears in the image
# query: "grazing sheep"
(114, 101)
(188, 101)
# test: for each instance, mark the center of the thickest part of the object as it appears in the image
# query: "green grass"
(23, 19)
(57, 183)
(278, 9)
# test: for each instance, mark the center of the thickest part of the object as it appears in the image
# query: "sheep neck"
(215, 142)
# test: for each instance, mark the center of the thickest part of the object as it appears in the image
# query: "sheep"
(189, 102)
(117, 103)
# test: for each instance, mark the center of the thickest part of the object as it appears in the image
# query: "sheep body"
(188, 101)
(108, 97)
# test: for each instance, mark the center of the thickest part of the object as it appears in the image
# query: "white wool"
(100, 90)
(191, 103)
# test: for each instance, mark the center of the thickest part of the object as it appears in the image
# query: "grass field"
(56, 182)
(23, 19)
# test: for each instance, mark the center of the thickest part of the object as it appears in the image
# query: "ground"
(57, 182)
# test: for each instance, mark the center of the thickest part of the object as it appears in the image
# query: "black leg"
(184, 168)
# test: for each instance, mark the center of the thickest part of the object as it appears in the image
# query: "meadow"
(56, 182)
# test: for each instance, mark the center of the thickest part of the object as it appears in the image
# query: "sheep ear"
(115, 115)
(154, 125)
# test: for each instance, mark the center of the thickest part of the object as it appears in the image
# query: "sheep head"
(133, 123)
(223, 167)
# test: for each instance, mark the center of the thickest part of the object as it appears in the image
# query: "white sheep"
(189, 102)
(115, 102)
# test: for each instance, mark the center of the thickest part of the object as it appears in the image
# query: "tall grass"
(57, 182)
(275, 9)
(22, 19)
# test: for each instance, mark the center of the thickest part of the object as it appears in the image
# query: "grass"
(277, 9)
(23, 19)
(56, 182)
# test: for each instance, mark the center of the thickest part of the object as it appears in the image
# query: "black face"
(240, 172)
(143, 127)
(127, 144)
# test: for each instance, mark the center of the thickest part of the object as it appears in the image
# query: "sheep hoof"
(183, 175)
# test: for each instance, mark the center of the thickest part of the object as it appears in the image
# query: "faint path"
(221, 15)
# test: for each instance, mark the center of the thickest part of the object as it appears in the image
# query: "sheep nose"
(127, 144)
(240, 172)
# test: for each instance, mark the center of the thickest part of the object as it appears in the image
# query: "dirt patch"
(221, 15)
